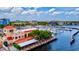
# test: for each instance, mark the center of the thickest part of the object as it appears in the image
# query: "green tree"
(16, 46)
(45, 34)
(42, 23)
(1, 26)
(41, 34)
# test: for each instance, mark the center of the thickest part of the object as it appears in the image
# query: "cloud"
(51, 10)
(72, 13)
(57, 12)
(24, 12)
(30, 12)
(77, 9)
(69, 12)
(17, 10)
(5, 8)
(34, 13)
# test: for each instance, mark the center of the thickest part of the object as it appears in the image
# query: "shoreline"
(37, 44)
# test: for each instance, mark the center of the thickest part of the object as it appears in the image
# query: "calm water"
(62, 43)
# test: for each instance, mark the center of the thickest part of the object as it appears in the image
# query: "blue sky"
(39, 13)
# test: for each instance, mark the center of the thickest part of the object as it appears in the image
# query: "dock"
(73, 37)
(37, 44)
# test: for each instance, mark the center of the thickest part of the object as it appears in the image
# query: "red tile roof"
(24, 32)
(9, 27)
(28, 31)
(9, 38)
(23, 40)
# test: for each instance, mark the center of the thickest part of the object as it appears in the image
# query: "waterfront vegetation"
(43, 23)
(41, 34)
(1, 26)
(25, 23)
(16, 46)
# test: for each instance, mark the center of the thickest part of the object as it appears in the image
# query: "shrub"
(16, 46)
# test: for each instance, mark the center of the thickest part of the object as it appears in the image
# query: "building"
(4, 21)
(9, 30)
(12, 35)
(25, 41)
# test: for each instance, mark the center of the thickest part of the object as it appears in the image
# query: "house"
(11, 34)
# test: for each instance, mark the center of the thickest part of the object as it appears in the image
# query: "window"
(19, 36)
(15, 37)
(25, 35)
(11, 30)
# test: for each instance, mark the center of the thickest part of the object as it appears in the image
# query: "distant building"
(4, 21)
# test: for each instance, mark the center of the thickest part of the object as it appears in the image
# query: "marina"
(66, 41)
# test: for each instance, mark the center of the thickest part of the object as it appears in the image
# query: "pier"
(73, 37)
(37, 44)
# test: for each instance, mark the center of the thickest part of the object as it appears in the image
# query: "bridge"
(64, 22)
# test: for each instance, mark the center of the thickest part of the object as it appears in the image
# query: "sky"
(39, 13)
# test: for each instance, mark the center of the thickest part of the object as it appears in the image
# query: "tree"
(42, 23)
(45, 34)
(1, 35)
(34, 33)
(40, 34)
(16, 46)
(1, 26)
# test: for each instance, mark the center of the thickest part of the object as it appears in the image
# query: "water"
(63, 42)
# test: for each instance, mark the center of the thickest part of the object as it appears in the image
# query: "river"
(62, 43)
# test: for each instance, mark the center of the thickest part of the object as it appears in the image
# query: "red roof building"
(23, 40)
(9, 27)
(17, 36)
